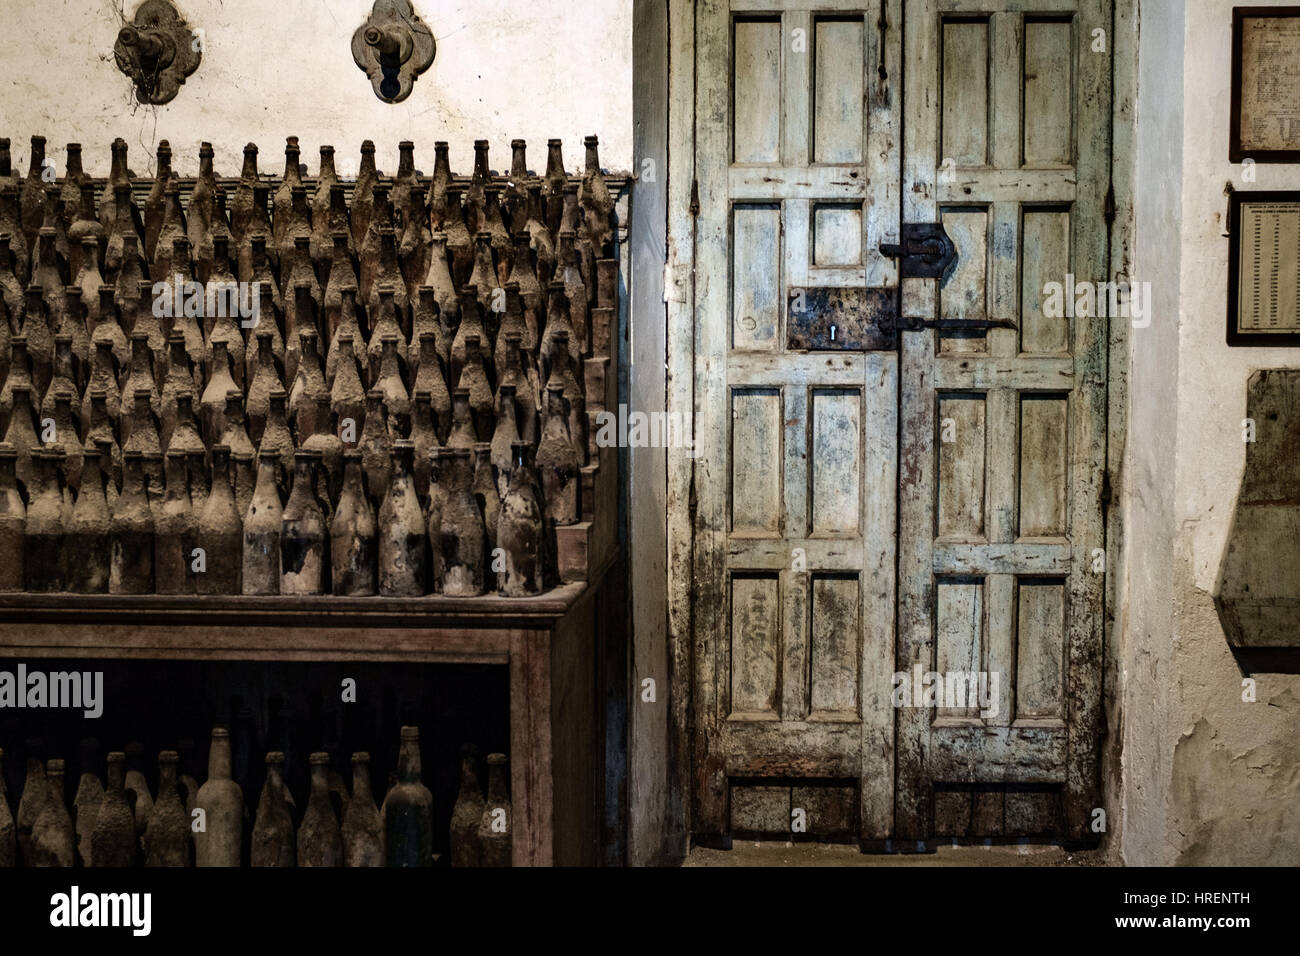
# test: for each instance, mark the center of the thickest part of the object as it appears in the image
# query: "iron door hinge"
(926, 252)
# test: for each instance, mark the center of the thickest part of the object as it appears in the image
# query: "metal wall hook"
(393, 46)
(157, 50)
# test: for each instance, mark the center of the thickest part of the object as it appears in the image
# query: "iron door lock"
(925, 252)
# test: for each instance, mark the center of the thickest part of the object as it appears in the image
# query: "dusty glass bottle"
(467, 813)
(21, 434)
(85, 804)
(273, 837)
(429, 379)
(241, 203)
(53, 839)
(408, 810)
(113, 842)
(324, 440)
(108, 326)
(474, 379)
(104, 380)
(462, 539)
(376, 447)
(460, 242)
(397, 402)
(519, 530)
(13, 523)
(471, 324)
(143, 438)
(166, 840)
(436, 198)
(262, 527)
(88, 530)
(284, 220)
(33, 190)
(363, 195)
(558, 463)
(137, 784)
(8, 830)
(277, 435)
(597, 203)
(245, 468)
(174, 530)
(562, 376)
(504, 438)
(463, 434)
(347, 394)
(220, 533)
(324, 218)
(74, 178)
(88, 277)
(303, 301)
(199, 228)
(362, 829)
(354, 544)
(440, 281)
(424, 438)
(45, 555)
(495, 830)
(304, 556)
(139, 377)
(235, 435)
(308, 384)
(486, 492)
(403, 543)
(32, 802)
(342, 276)
(319, 841)
(222, 803)
(178, 381)
(155, 204)
(265, 379)
(100, 442)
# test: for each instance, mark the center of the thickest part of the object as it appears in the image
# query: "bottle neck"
(219, 759)
(408, 762)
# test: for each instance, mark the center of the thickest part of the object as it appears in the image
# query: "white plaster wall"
(1209, 779)
(532, 69)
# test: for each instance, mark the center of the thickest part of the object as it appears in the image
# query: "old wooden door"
(919, 493)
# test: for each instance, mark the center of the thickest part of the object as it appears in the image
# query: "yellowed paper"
(1268, 297)
(1270, 83)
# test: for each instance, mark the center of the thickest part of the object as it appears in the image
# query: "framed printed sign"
(1264, 268)
(1265, 85)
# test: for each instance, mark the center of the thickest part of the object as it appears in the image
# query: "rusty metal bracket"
(842, 320)
(394, 46)
(157, 50)
(926, 252)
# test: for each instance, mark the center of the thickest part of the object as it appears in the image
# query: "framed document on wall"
(1264, 268)
(1265, 85)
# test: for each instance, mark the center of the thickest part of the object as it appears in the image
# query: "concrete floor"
(746, 854)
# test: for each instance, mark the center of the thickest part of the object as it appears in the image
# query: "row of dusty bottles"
(392, 226)
(124, 824)
(478, 526)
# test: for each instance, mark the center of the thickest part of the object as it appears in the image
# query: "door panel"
(1003, 430)
(798, 172)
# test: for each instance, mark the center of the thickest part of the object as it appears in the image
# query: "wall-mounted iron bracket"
(926, 252)
(393, 46)
(157, 50)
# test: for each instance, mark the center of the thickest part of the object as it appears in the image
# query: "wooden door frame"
(679, 386)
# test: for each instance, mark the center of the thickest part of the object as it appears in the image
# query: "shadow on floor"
(748, 854)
